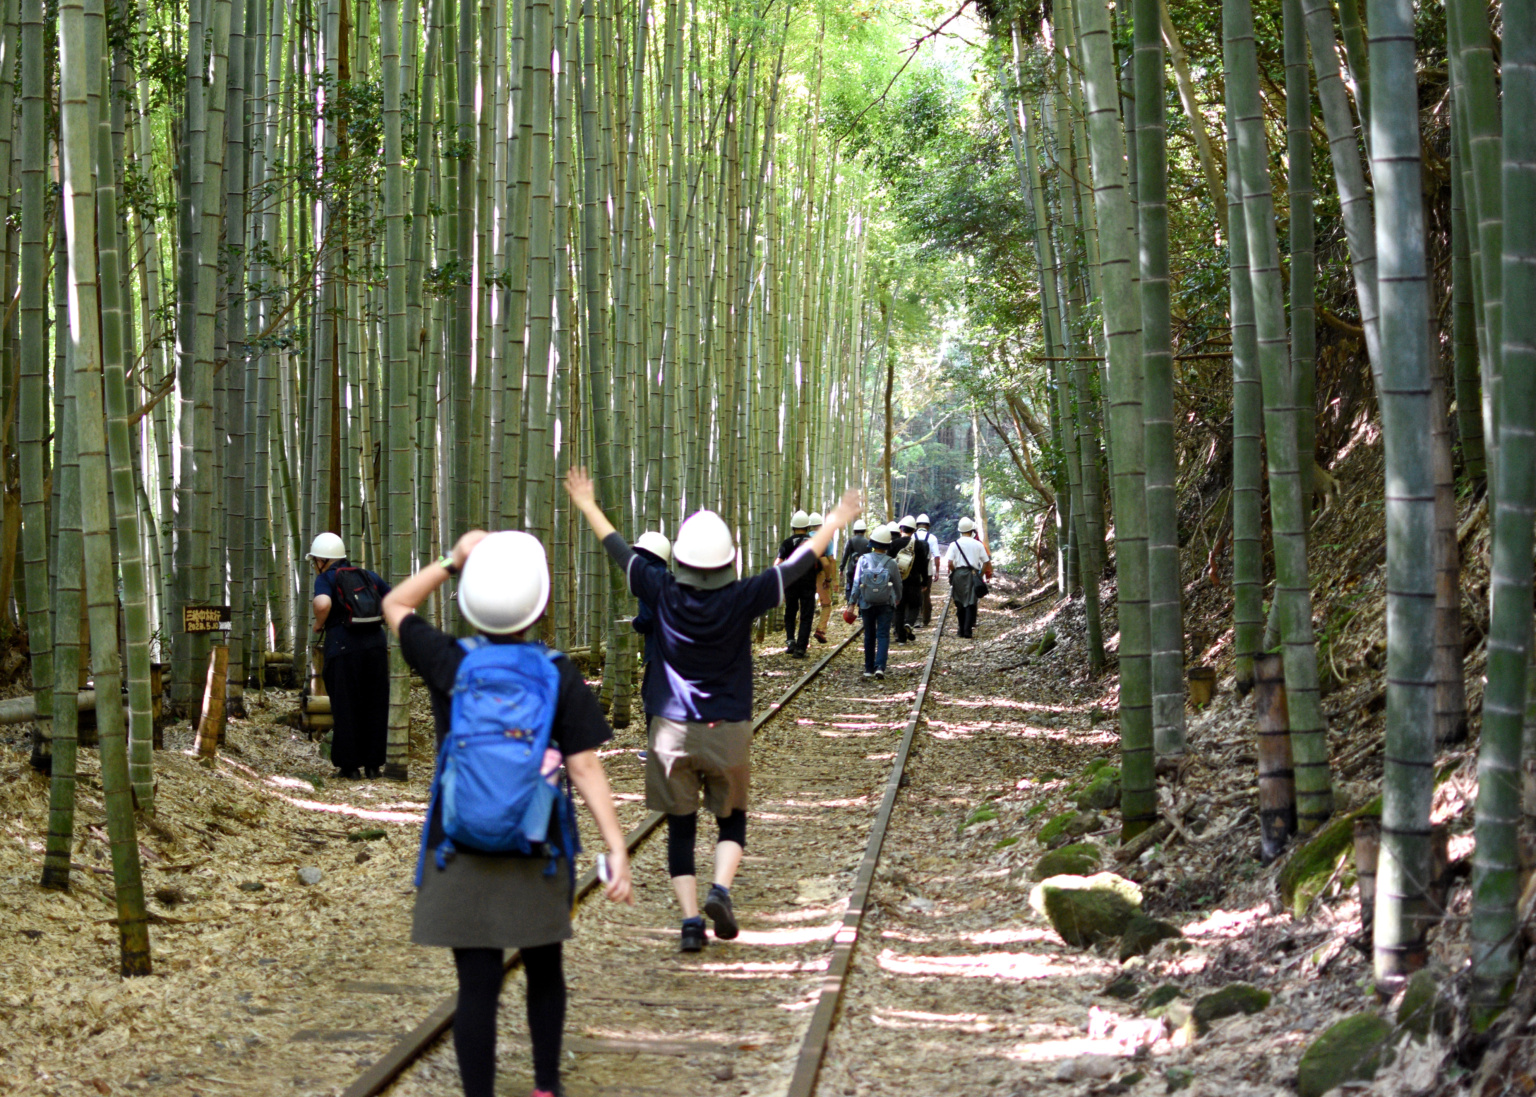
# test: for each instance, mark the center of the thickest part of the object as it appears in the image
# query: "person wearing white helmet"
(969, 564)
(877, 591)
(800, 595)
(856, 546)
(826, 568)
(479, 903)
(349, 620)
(700, 734)
(925, 535)
(654, 547)
(912, 562)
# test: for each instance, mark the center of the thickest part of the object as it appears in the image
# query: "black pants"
(799, 609)
(910, 609)
(474, 1021)
(927, 603)
(358, 684)
(966, 619)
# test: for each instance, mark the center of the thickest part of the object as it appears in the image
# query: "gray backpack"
(872, 582)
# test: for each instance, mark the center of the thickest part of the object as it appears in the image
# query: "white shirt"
(932, 542)
(967, 552)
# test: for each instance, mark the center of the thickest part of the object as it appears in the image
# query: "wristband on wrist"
(445, 562)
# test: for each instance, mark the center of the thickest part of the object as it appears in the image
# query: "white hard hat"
(327, 546)
(654, 542)
(859, 526)
(909, 522)
(967, 526)
(881, 536)
(799, 520)
(704, 542)
(922, 520)
(505, 584)
(816, 519)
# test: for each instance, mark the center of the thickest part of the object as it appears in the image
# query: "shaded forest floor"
(958, 987)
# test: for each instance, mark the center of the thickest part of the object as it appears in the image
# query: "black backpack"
(362, 605)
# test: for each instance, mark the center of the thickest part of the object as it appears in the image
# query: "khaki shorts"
(683, 758)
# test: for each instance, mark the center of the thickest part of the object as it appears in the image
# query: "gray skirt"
(962, 585)
(492, 902)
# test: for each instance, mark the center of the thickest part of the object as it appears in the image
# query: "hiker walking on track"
(497, 863)
(349, 617)
(700, 734)
(912, 564)
(855, 547)
(800, 593)
(877, 591)
(826, 568)
(924, 535)
(970, 565)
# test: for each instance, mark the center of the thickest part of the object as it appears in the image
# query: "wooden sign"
(204, 618)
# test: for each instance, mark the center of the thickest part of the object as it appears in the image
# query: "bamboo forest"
(1128, 382)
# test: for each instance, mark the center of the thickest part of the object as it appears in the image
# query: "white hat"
(909, 522)
(704, 551)
(881, 535)
(656, 544)
(816, 519)
(922, 520)
(327, 546)
(505, 585)
(799, 520)
(967, 526)
(859, 525)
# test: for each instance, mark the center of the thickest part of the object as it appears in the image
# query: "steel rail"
(813, 1047)
(393, 1063)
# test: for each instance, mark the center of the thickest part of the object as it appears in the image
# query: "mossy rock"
(1143, 934)
(1157, 1002)
(1086, 909)
(1177, 1078)
(1351, 1050)
(1228, 1002)
(1093, 768)
(1312, 864)
(1122, 986)
(1077, 859)
(1067, 826)
(1102, 793)
(1422, 1009)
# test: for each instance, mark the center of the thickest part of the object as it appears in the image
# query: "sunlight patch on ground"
(356, 813)
(748, 969)
(987, 965)
(803, 935)
(1071, 1047)
(954, 1022)
(980, 937)
(1231, 923)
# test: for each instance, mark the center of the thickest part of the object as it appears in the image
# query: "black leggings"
(683, 832)
(474, 1023)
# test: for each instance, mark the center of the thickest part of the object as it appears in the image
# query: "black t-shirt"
(703, 638)
(340, 637)
(435, 655)
(805, 586)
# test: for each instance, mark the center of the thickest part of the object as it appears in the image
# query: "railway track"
(751, 1015)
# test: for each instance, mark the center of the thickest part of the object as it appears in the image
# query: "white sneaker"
(880, 674)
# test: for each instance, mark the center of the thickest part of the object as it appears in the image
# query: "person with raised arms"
(700, 735)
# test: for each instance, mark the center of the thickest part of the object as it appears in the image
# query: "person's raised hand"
(465, 545)
(579, 486)
(848, 508)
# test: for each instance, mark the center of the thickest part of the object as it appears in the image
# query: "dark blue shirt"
(340, 639)
(703, 638)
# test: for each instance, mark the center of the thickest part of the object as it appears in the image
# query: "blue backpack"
(488, 790)
(872, 580)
